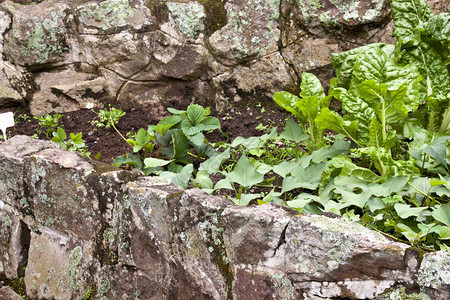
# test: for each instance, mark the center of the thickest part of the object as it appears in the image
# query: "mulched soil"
(235, 121)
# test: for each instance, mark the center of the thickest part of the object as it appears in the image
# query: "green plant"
(175, 137)
(307, 108)
(48, 123)
(108, 118)
(75, 143)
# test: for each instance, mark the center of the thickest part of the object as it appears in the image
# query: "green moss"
(5, 222)
(216, 15)
(401, 294)
(189, 17)
(75, 257)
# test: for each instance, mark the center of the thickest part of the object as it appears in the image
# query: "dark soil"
(236, 121)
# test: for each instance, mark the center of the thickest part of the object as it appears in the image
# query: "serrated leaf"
(180, 145)
(142, 137)
(129, 159)
(59, 136)
(175, 111)
(210, 123)
(442, 214)
(293, 132)
(245, 174)
(195, 113)
(405, 211)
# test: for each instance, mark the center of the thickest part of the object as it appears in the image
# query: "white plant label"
(6, 120)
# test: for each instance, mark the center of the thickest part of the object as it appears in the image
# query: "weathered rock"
(6, 293)
(56, 266)
(83, 228)
(434, 275)
(12, 154)
(13, 242)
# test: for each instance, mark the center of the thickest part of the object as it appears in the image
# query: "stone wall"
(59, 55)
(70, 228)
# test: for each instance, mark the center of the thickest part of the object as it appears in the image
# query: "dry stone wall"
(70, 228)
(59, 55)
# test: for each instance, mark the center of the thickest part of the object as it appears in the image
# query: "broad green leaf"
(130, 159)
(293, 132)
(142, 137)
(273, 196)
(175, 111)
(411, 17)
(253, 142)
(223, 184)
(338, 148)
(210, 123)
(410, 234)
(352, 198)
(285, 168)
(189, 129)
(331, 120)
(290, 183)
(260, 167)
(245, 199)
(180, 145)
(442, 214)
(311, 86)
(212, 165)
(387, 105)
(302, 200)
(309, 106)
(59, 136)
(442, 231)
(405, 211)
(437, 150)
(308, 178)
(151, 162)
(288, 101)
(244, 173)
(197, 139)
(195, 113)
(165, 124)
(180, 179)
(203, 181)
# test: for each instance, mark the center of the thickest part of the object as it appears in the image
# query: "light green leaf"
(212, 165)
(210, 123)
(244, 173)
(59, 136)
(195, 113)
(285, 168)
(331, 120)
(203, 181)
(352, 198)
(338, 148)
(293, 132)
(151, 162)
(442, 214)
(245, 199)
(405, 211)
(311, 86)
(442, 231)
(260, 167)
(223, 184)
(288, 101)
(180, 179)
(180, 145)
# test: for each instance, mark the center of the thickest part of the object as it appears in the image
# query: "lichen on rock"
(189, 17)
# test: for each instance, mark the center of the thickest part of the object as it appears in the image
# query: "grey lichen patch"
(75, 257)
(5, 222)
(189, 17)
(343, 226)
(251, 30)
(43, 37)
(103, 288)
(434, 271)
(109, 14)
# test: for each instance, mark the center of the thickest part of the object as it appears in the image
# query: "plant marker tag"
(6, 120)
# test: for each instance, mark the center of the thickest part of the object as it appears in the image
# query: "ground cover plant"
(386, 165)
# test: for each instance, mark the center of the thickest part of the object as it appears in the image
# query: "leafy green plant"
(308, 107)
(48, 123)
(74, 143)
(108, 118)
(175, 137)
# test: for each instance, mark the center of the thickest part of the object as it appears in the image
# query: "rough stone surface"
(57, 56)
(434, 275)
(6, 293)
(84, 228)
